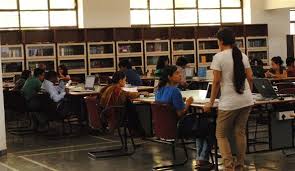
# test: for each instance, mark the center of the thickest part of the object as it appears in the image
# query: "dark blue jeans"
(203, 148)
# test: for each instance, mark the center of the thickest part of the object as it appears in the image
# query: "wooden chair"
(116, 117)
(168, 126)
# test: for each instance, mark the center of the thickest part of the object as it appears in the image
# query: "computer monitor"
(264, 87)
(89, 82)
(189, 72)
(209, 89)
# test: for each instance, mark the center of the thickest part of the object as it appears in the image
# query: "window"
(30, 14)
(292, 21)
(185, 12)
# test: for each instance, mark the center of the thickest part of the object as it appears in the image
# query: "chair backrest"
(287, 91)
(285, 85)
(14, 100)
(94, 120)
(164, 120)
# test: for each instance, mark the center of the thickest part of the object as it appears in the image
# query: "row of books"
(72, 50)
(41, 51)
(11, 52)
(183, 46)
(101, 49)
(157, 47)
(257, 43)
(102, 63)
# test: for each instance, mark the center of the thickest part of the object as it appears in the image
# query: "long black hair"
(65, 70)
(161, 62)
(227, 37)
(278, 60)
(167, 72)
(119, 75)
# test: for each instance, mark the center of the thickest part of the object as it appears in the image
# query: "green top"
(31, 88)
(158, 72)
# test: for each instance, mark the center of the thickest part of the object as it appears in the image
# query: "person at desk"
(131, 75)
(277, 70)
(181, 64)
(169, 93)
(21, 82)
(231, 72)
(257, 68)
(63, 73)
(56, 93)
(291, 66)
(32, 86)
(163, 61)
(114, 95)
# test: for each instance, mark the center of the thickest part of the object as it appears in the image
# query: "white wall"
(278, 26)
(276, 4)
(2, 113)
(106, 13)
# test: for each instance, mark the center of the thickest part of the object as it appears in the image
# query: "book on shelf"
(10, 52)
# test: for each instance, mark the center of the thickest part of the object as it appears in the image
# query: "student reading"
(169, 93)
(114, 95)
(231, 72)
(277, 69)
(131, 75)
(291, 66)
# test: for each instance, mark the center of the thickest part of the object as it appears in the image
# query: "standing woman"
(232, 73)
(63, 73)
(163, 61)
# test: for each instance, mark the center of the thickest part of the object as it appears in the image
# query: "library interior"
(140, 85)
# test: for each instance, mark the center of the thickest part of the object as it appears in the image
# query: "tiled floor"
(35, 153)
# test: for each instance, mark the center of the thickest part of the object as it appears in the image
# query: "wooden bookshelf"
(41, 53)
(207, 48)
(153, 50)
(257, 47)
(72, 55)
(101, 57)
(12, 57)
(184, 48)
(131, 50)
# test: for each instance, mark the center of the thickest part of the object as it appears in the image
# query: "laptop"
(189, 72)
(208, 95)
(89, 82)
(265, 88)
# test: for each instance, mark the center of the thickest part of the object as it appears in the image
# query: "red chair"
(94, 120)
(287, 91)
(116, 118)
(168, 126)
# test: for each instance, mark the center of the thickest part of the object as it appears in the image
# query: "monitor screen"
(89, 82)
(209, 89)
(190, 72)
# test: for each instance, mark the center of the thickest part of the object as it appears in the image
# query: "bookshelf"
(257, 47)
(73, 56)
(207, 48)
(132, 51)
(184, 48)
(153, 50)
(12, 57)
(40, 53)
(101, 57)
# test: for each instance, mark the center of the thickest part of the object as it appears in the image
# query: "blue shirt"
(170, 95)
(133, 78)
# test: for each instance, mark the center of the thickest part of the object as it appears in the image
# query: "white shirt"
(230, 99)
(56, 93)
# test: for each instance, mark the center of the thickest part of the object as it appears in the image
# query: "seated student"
(21, 82)
(291, 67)
(181, 64)
(56, 93)
(114, 95)
(42, 66)
(169, 93)
(277, 70)
(257, 68)
(131, 75)
(32, 86)
(63, 73)
(163, 61)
